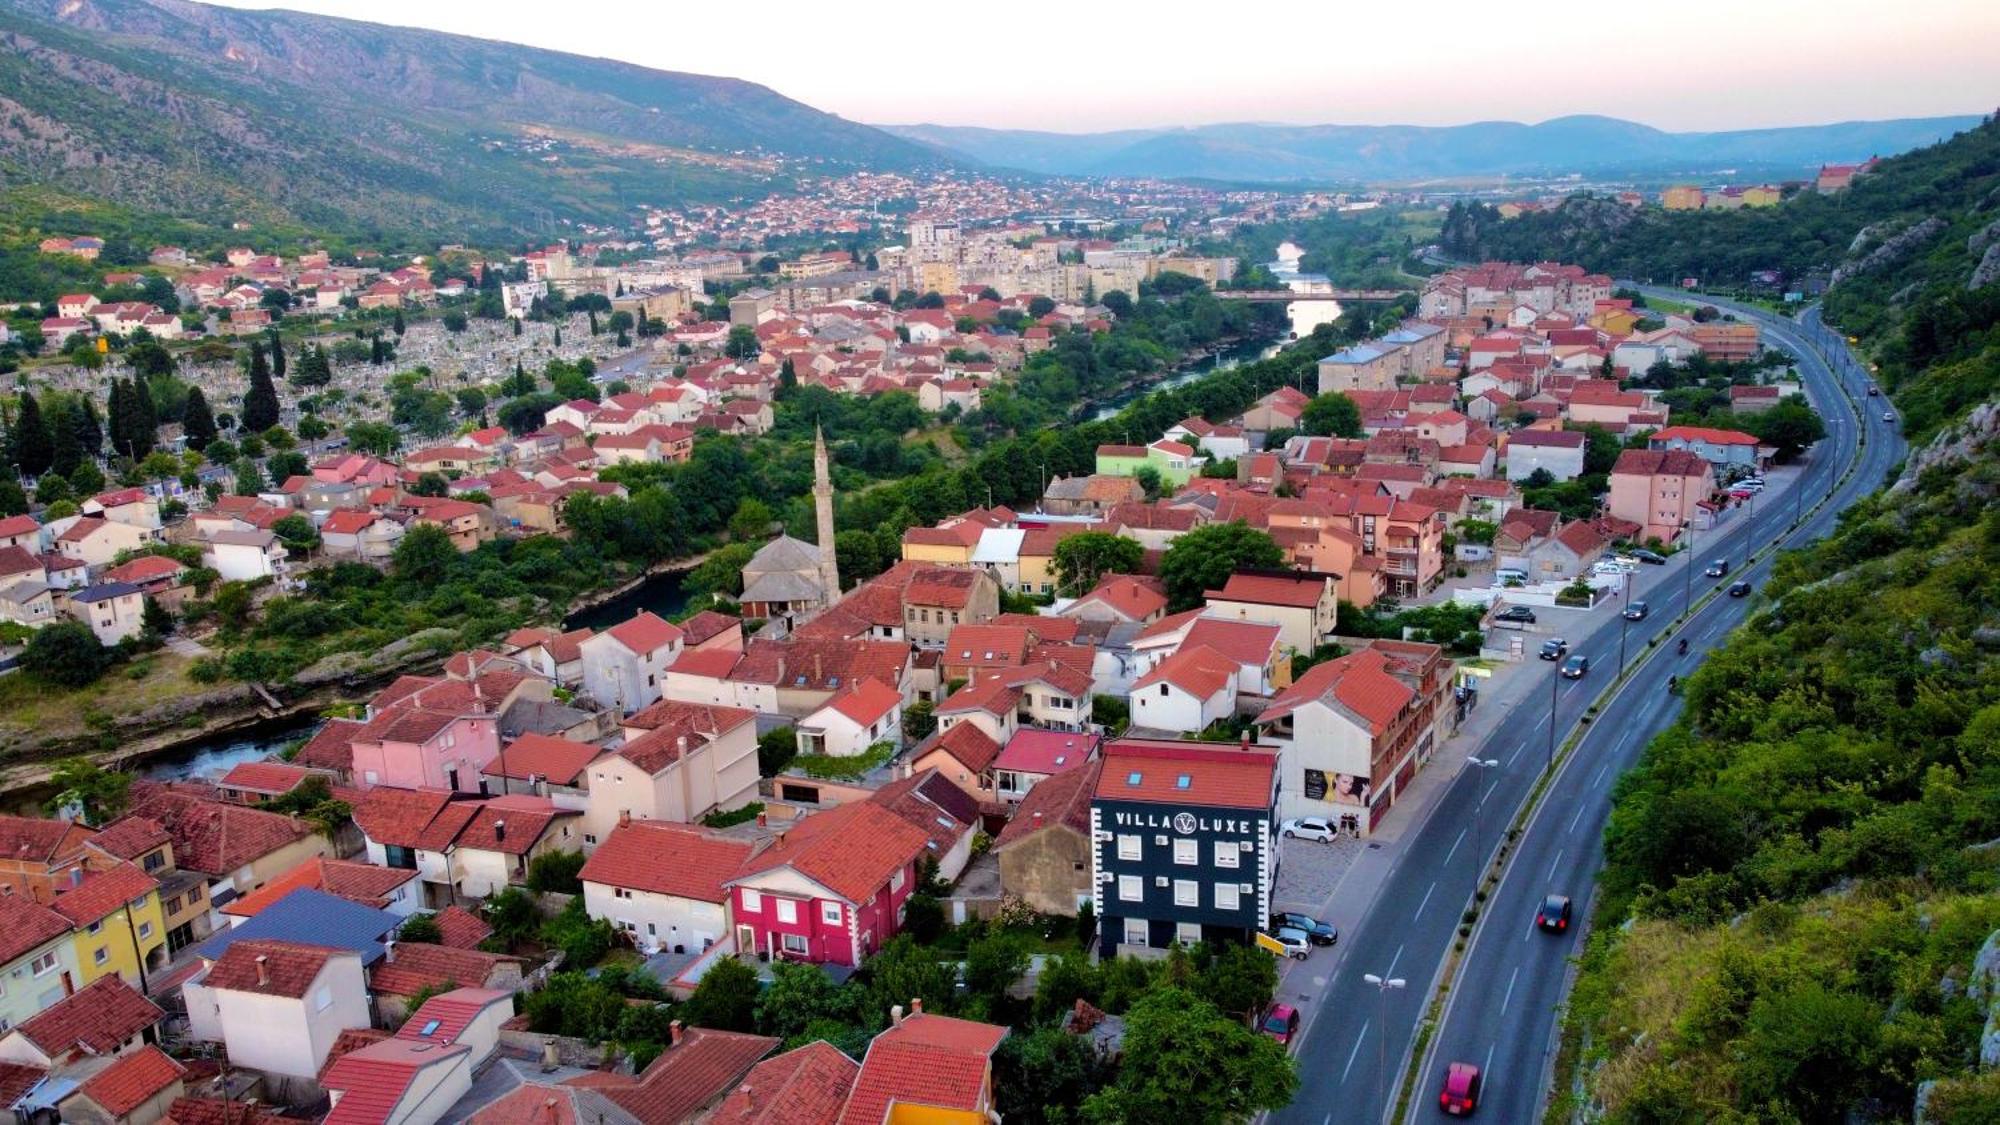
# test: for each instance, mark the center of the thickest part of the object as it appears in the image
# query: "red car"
(1460, 1095)
(1281, 1023)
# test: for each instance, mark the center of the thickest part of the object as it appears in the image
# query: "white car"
(1309, 828)
(1297, 945)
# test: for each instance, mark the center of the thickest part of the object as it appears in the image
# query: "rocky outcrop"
(1987, 271)
(1892, 249)
(1957, 445)
(1979, 240)
(1983, 985)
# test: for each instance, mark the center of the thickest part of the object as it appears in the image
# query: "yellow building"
(1681, 197)
(120, 927)
(1617, 322)
(947, 546)
(1763, 195)
(937, 277)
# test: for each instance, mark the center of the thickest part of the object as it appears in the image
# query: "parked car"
(1460, 1095)
(1553, 917)
(1575, 667)
(1309, 828)
(1281, 1023)
(1554, 648)
(1636, 611)
(1650, 558)
(1297, 944)
(1518, 613)
(1507, 574)
(1717, 569)
(1320, 933)
(1888, 417)
(1739, 589)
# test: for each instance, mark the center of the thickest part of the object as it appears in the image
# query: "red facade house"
(830, 889)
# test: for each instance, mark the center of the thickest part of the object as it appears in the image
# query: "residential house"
(1721, 448)
(1033, 756)
(120, 929)
(552, 655)
(109, 1018)
(39, 855)
(416, 1076)
(236, 849)
(1044, 852)
(37, 959)
(807, 1085)
(963, 750)
(937, 598)
(159, 577)
(678, 762)
(360, 534)
(113, 610)
(830, 888)
(623, 667)
(868, 713)
(699, 1068)
(134, 1089)
(183, 894)
(1091, 495)
(1558, 452)
(1120, 598)
(504, 835)
(97, 542)
(244, 556)
(663, 884)
(1660, 490)
(1304, 605)
(927, 1068)
(277, 1006)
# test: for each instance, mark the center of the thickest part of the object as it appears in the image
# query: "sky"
(1112, 64)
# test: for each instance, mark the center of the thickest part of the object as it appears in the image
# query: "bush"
(422, 929)
(556, 873)
(584, 940)
(66, 653)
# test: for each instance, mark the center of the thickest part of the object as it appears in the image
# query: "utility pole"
(1382, 988)
(1687, 572)
(1624, 623)
(1479, 821)
(1555, 683)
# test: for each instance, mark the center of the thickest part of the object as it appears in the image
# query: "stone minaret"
(829, 567)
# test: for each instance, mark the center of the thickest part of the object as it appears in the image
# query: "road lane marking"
(1357, 1050)
(1488, 1068)
(1552, 863)
(1509, 998)
(1581, 808)
(1426, 902)
(1454, 845)
(1392, 962)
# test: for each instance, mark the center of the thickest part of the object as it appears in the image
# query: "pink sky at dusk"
(1701, 65)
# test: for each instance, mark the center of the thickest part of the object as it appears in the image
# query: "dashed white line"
(1357, 1050)
(1392, 962)
(1509, 998)
(1488, 1068)
(1581, 808)
(1552, 863)
(1426, 902)
(1454, 845)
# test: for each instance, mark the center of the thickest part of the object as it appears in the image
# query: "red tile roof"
(39, 839)
(401, 817)
(928, 1060)
(868, 701)
(145, 568)
(1048, 752)
(364, 883)
(510, 825)
(645, 632)
(270, 968)
(332, 746)
(373, 1080)
(1358, 682)
(25, 925)
(805, 1086)
(18, 1078)
(1061, 799)
(461, 928)
(215, 837)
(1704, 434)
(851, 850)
(454, 1011)
(414, 966)
(541, 755)
(1134, 598)
(668, 859)
(95, 1019)
(669, 724)
(683, 1079)
(1245, 642)
(103, 893)
(220, 1111)
(968, 744)
(264, 777)
(132, 1081)
(1221, 775)
(1303, 591)
(1196, 669)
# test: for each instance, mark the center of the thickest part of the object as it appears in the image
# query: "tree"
(398, 326)
(315, 369)
(512, 915)
(721, 572)
(1238, 979)
(726, 998)
(742, 343)
(903, 970)
(471, 400)
(454, 321)
(993, 963)
(1186, 1061)
(312, 429)
(99, 794)
(297, 533)
(425, 556)
(1065, 979)
(66, 452)
(373, 437)
(1204, 558)
(66, 653)
(156, 619)
(1041, 1077)
(799, 995)
(752, 520)
(260, 402)
(1331, 414)
(1039, 307)
(33, 448)
(1790, 426)
(196, 421)
(525, 414)
(556, 872)
(775, 750)
(277, 354)
(421, 929)
(249, 478)
(1080, 560)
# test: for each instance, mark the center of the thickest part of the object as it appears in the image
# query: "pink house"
(831, 888)
(440, 734)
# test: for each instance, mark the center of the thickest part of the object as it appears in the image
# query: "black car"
(1553, 917)
(1653, 558)
(1637, 611)
(1317, 932)
(1717, 569)
(1519, 613)
(1739, 589)
(1554, 648)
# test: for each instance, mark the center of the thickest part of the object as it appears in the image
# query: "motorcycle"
(1684, 646)
(1673, 685)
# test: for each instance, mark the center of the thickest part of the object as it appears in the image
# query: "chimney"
(763, 820)
(263, 970)
(674, 1033)
(916, 1005)
(819, 669)
(389, 951)
(499, 831)
(895, 1014)
(681, 746)
(624, 817)
(781, 671)
(1246, 740)
(554, 1117)
(1038, 819)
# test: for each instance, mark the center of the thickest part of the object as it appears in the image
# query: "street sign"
(1270, 944)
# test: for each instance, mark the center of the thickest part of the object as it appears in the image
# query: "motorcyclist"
(1684, 646)
(1673, 684)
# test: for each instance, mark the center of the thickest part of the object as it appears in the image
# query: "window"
(102, 955)
(1137, 932)
(1187, 853)
(145, 930)
(1128, 847)
(323, 999)
(43, 964)
(1184, 781)
(1163, 689)
(1226, 896)
(94, 927)
(1187, 892)
(1187, 933)
(896, 880)
(620, 892)
(154, 861)
(1131, 888)
(1226, 853)
(372, 777)
(752, 901)
(829, 912)
(794, 943)
(589, 839)
(788, 911)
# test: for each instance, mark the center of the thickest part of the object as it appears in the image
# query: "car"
(1739, 589)
(1554, 648)
(1575, 667)
(1888, 417)
(1281, 1023)
(1318, 932)
(1717, 569)
(1309, 828)
(1509, 575)
(1460, 1095)
(1636, 611)
(1298, 945)
(1650, 558)
(1873, 390)
(1741, 494)
(1519, 613)
(1553, 917)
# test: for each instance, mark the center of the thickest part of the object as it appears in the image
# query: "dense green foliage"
(1204, 558)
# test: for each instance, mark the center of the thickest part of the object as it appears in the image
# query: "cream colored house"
(277, 1006)
(679, 762)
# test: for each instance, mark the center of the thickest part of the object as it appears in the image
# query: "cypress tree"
(260, 402)
(399, 326)
(559, 335)
(121, 416)
(197, 422)
(377, 354)
(145, 420)
(65, 454)
(89, 430)
(277, 355)
(33, 448)
(593, 322)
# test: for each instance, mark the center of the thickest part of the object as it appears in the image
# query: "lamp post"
(1555, 682)
(1382, 988)
(1624, 623)
(1479, 819)
(1687, 572)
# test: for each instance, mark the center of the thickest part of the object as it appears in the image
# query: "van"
(1508, 574)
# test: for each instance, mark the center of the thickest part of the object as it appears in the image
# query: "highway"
(1503, 1007)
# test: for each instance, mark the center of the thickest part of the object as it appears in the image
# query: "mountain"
(1404, 153)
(277, 116)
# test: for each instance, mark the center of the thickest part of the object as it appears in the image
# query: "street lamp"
(1382, 988)
(1555, 682)
(1624, 623)
(1479, 818)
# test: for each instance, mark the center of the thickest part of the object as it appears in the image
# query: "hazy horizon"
(1788, 63)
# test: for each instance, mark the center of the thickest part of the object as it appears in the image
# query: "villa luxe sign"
(1185, 823)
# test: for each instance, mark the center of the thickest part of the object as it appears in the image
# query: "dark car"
(1553, 917)
(1637, 611)
(1739, 589)
(1460, 1095)
(1516, 613)
(1318, 932)
(1575, 667)
(1554, 648)
(1652, 558)
(1873, 391)
(1717, 569)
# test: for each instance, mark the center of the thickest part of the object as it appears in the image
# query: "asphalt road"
(1504, 1005)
